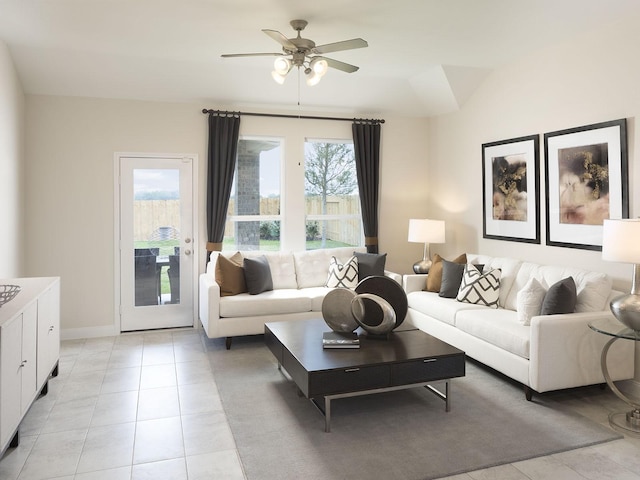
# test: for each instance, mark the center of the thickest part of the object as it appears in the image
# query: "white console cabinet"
(29, 350)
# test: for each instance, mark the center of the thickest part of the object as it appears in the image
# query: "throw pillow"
(370, 264)
(434, 279)
(479, 288)
(257, 274)
(451, 277)
(230, 275)
(529, 301)
(560, 298)
(345, 276)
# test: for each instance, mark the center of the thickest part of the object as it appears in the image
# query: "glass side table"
(626, 422)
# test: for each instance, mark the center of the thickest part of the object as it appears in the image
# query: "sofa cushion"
(316, 294)
(281, 264)
(529, 303)
(509, 269)
(593, 288)
(370, 264)
(498, 327)
(451, 278)
(342, 275)
(560, 298)
(230, 275)
(434, 279)
(479, 288)
(440, 308)
(257, 274)
(274, 302)
(312, 266)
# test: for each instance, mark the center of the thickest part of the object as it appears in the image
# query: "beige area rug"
(396, 435)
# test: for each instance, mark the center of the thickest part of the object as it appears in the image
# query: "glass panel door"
(156, 247)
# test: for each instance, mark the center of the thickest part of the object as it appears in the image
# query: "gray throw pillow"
(560, 298)
(370, 264)
(451, 278)
(257, 274)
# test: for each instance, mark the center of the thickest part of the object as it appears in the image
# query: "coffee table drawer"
(349, 380)
(427, 370)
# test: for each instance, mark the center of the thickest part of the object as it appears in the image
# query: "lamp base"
(626, 309)
(423, 266)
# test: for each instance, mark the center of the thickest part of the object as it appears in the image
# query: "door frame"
(117, 233)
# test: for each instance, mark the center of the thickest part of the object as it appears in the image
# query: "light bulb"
(319, 66)
(282, 65)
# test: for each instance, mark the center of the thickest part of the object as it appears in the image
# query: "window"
(332, 203)
(253, 216)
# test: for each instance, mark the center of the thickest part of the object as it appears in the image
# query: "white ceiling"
(425, 57)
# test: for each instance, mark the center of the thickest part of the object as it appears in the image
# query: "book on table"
(340, 340)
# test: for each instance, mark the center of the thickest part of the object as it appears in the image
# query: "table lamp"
(425, 231)
(620, 244)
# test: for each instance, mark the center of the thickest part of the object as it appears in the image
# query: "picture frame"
(587, 181)
(510, 189)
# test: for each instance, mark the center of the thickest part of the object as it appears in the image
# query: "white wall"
(70, 167)
(592, 79)
(11, 168)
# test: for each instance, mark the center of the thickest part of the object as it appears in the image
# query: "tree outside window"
(331, 195)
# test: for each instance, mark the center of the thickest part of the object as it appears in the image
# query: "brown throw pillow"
(434, 279)
(230, 275)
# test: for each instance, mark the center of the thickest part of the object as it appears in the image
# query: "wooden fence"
(159, 219)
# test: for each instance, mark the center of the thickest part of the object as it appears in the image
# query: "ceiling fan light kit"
(303, 53)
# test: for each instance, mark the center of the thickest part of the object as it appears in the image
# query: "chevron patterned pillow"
(345, 276)
(479, 288)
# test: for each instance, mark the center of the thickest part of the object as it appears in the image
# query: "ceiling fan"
(304, 53)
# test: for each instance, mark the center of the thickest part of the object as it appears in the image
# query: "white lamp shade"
(621, 241)
(278, 78)
(426, 231)
(313, 79)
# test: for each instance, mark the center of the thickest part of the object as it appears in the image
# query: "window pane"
(156, 217)
(255, 193)
(332, 204)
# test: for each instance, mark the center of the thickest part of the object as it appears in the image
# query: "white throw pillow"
(345, 276)
(479, 288)
(529, 301)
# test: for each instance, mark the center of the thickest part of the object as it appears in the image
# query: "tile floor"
(146, 406)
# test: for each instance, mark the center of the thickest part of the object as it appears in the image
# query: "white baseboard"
(88, 332)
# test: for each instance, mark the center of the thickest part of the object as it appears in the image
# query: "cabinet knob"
(51, 328)
(24, 362)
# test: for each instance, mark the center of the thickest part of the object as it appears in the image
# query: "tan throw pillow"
(434, 279)
(230, 275)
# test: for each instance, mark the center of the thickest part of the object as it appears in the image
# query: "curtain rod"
(306, 117)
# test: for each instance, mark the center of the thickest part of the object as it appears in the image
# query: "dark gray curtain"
(366, 143)
(224, 129)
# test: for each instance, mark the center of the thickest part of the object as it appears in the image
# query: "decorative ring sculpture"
(384, 310)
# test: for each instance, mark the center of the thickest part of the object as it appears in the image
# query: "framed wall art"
(510, 184)
(586, 172)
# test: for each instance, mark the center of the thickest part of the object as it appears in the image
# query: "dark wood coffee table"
(409, 358)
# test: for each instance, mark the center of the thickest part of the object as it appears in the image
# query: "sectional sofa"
(552, 352)
(298, 289)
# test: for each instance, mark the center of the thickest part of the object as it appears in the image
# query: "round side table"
(627, 422)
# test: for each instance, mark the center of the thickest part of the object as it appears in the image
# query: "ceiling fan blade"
(230, 55)
(338, 46)
(345, 67)
(281, 39)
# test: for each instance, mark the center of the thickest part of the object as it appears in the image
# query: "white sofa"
(553, 352)
(298, 292)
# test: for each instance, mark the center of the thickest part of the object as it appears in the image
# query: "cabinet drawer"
(349, 380)
(427, 370)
